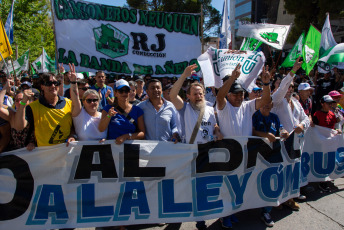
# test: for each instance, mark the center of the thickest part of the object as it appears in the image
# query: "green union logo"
(111, 41)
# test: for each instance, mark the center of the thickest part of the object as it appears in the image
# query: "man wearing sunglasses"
(105, 91)
(50, 116)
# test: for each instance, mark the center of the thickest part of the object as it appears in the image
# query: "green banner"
(310, 50)
(295, 52)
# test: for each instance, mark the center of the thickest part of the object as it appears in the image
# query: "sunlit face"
(18, 98)
(154, 90)
(100, 78)
(236, 99)
(305, 93)
(196, 95)
(132, 92)
(326, 106)
(91, 103)
(266, 109)
(122, 93)
(82, 89)
(50, 88)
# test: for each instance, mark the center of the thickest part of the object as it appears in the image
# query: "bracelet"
(293, 71)
(266, 84)
(108, 98)
(72, 82)
(108, 116)
(22, 103)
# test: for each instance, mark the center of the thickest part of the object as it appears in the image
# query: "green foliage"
(211, 15)
(311, 12)
(33, 28)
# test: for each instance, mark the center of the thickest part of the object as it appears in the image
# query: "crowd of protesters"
(48, 109)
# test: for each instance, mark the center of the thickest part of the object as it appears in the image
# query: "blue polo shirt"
(103, 91)
(267, 124)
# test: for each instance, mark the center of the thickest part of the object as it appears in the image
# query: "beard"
(198, 106)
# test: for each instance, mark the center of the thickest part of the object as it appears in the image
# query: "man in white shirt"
(290, 112)
(235, 114)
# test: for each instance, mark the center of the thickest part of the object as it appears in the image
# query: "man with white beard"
(197, 128)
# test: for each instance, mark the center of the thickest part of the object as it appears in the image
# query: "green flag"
(21, 64)
(310, 50)
(332, 56)
(295, 52)
(250, 44)
(48, 63)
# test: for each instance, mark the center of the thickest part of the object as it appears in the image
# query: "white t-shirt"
(86, 126)
(237, 121)
(190, 116)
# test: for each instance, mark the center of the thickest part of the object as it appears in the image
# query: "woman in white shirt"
(86, 118)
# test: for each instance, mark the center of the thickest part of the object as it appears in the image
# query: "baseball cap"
(236, 88)
(327, 98)
(334, 93)
(304, 86)
(35, 76)
(121, 83)
(79, 76)
(26, 83)
(139, 78)
(168, 86)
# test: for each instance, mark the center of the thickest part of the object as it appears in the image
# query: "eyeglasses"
(50, 83)
(89, 100)
(124, 90)
(84, 88)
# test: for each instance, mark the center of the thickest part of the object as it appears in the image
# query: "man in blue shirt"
(159, 115)
(105, 92)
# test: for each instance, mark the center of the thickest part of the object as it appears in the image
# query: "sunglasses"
(84, 88)
(89, 101)
(50, 83)
(124, 90)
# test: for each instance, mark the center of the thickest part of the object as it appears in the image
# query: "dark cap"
(168, 86)
(236, 88)
(26, 83)
(139, 78)
(35, 76)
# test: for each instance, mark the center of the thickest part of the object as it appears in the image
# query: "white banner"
(90, 184)
(125, 41)
(217, 63)
(271, 34)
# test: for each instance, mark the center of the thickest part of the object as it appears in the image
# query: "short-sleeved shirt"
(237, 121)
(269, 124)
(324, 119)
(307, 106)
(103, 91)
(160, 125)
(120, 125)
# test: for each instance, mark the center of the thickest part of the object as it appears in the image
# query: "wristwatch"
(130, 135)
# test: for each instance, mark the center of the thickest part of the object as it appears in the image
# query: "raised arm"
(266, 98)
(175, 99)
(278, 96)
(221, 95)
(74, 93)
(4, 113)
(19, 118)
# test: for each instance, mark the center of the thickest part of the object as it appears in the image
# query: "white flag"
(270, 34)
(225, 35)
(21, 64)
(327, 39)
(48, 64)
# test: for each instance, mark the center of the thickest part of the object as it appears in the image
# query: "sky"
(218, 4)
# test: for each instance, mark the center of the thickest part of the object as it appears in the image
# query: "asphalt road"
(319, 211)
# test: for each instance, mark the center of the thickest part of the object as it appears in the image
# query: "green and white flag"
(21, 64)
(270, 34)
(327, 39)
(49, 64)
(250, 44)
(295, 52)
(310, 50)
(331, 57)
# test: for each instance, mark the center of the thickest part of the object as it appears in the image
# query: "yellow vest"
(52, 126)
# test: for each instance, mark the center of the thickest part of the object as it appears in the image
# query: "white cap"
(304, 86)
(79, 76)
(121, 83)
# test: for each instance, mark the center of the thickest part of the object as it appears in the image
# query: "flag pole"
(4, 63)
(42, 63)
(56, 53)
(202, 28)
(8, 46)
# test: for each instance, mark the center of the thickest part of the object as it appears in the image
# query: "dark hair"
(45, 78)
(153, 81)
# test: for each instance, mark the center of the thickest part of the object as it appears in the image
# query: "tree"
(311, 12)
(211, 15)
(33, 27)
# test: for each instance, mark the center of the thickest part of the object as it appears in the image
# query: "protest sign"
(124, 41)
(217, 63)
(89, 184)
